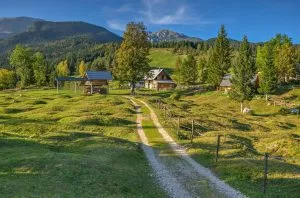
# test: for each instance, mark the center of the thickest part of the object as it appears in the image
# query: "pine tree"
(219, 60)
(243, 73)
(131, 63)
(189, 70)
(267, 70)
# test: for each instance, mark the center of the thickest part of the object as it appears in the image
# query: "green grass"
(267, 130)
(70, 145)
(163, 57)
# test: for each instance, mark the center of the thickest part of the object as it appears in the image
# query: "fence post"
(218, 148)
(265, 172)
(192, 135)
(165, 111)
(178, 126)
(159, 102)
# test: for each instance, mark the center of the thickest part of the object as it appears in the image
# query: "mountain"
(46, 31)
(57, 39)
(167, 35)
(12, 26)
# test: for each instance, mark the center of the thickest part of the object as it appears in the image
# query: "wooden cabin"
(96, 82)
(159, 79)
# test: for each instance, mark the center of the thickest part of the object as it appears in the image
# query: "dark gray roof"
(98, 75)
(69, 79)
(227, 83)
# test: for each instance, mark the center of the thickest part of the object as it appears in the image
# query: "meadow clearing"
(71, 145)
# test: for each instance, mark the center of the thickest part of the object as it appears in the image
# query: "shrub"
(176, 95)
(284, 111)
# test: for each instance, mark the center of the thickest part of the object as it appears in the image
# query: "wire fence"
(187, 129)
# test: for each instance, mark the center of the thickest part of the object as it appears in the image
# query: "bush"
(284, 111)
(175, 96)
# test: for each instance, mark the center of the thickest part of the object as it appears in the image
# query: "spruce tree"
(243, 73)
(219, 60)
(267, 69)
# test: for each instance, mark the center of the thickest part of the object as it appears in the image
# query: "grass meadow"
(244, 139)
(71, 145)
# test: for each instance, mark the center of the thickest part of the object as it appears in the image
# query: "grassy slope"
(164, 58)
(265, 131)
(70, 145)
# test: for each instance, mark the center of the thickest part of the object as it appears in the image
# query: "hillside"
(12, 26)
(164, 58)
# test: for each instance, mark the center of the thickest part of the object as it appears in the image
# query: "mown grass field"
(70, 145)
(163, 57)
(245, 138)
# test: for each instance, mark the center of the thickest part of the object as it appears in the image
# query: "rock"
(247, 110)
(295, 111)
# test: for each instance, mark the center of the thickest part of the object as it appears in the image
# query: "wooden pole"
(178, 126)
(265, 172)
(57, 86)
(218, 148)
(75, 86)
(192, 135)
(165, 111)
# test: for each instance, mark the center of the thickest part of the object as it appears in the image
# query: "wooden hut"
(96, 81)
(159, 79)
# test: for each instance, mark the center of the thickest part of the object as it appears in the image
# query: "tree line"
(27, 66)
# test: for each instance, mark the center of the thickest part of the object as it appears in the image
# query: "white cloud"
(166, 12)
(116, 25)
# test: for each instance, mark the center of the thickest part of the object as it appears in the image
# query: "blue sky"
(258, 19)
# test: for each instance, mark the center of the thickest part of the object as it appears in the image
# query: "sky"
(260, 20)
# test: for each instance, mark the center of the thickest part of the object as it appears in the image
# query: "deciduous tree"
(131, 63)
(40, 69)
(21, 60)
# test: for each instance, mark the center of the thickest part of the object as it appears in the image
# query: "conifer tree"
(220, 59)
(131, 63)
(267, 70)
(243, 73)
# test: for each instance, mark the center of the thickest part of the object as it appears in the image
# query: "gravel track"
(221, 189)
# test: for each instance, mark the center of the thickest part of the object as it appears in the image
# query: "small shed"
(96, 81)
(92, 81)
(159, 79)
(226, 83)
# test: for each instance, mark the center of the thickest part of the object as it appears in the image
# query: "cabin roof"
(98, 75)
(227, 83)
(153, 73)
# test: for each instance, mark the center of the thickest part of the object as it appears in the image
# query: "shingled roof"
(98, 75)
